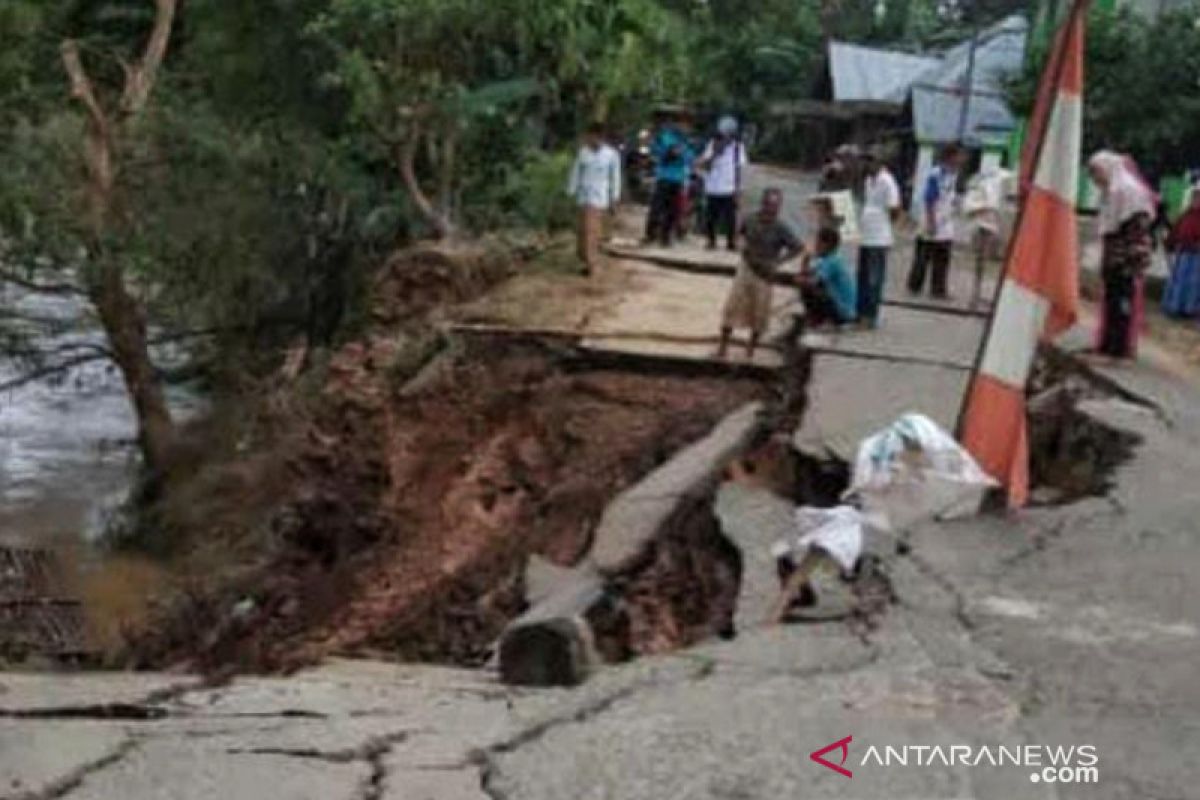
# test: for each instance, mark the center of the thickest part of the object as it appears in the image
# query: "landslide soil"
(408, 516)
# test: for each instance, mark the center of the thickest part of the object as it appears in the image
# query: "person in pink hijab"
(1127, 208)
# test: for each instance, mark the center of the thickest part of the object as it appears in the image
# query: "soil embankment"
(408, 508)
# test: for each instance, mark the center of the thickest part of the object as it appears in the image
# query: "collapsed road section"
(415, 509)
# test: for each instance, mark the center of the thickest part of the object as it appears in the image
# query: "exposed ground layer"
(412, 515)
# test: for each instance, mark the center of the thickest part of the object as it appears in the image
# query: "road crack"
(75, 779)
(102, 711)
(373, 752)
(485, 759)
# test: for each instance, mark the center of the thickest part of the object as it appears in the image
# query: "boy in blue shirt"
(825, 284)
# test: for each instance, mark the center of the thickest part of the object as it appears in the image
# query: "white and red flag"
(1039, 291)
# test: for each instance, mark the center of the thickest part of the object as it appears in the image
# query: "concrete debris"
(638, 515)
(556, 642)
(553, 644)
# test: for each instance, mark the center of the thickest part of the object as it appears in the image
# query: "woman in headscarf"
(1182, 297)
(1127, 207)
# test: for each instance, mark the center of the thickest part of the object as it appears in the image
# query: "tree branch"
(406, 157)
(140, 77)
(53, 369)
(7, 276)
(81, 86)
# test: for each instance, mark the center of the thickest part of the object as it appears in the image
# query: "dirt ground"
(409, 509)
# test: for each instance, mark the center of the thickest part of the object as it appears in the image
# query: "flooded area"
(66, 441)
(68, 458)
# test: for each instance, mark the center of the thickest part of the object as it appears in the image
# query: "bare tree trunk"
(121, 315)
(119, 311)
(406, 158)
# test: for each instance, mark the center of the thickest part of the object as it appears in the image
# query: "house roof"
(940, 93)
(871, 74)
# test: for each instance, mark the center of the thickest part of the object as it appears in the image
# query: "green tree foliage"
(437, 83)
(1142, 87)
(291, 142)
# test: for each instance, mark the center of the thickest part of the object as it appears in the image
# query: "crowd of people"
(709, 177)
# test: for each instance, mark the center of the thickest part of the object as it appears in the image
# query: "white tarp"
(838, 531)
(913, 470)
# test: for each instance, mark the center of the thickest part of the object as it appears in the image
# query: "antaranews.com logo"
(1045, 763)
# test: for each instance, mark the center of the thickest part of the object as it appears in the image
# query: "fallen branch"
(42, 354)
(7, 276)
(45, 372)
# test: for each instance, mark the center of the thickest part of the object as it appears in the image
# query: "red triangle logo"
(844, 746)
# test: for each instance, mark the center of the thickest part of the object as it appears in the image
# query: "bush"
(540, 190)
(530, 194)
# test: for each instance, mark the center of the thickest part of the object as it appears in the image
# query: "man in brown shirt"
(767, 243)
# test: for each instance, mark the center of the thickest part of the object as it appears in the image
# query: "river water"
(68, 458)
(67, 448)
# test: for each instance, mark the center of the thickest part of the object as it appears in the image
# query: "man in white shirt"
(982, 206)
(596, 186)
(881, 207)
(724, 162)
(938, 198)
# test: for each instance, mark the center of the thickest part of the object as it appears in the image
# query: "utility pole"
(970, 84)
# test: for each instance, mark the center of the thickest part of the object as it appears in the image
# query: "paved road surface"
(1058, 626)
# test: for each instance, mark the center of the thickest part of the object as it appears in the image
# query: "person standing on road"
(982, 206)
(724, 162)
(767, 242)
(1127, 208)
(672, 159)
(833, 174)
(881, 208)
(1182, 297)
(935, 242)
(596, 186)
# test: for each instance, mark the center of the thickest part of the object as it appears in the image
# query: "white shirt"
(724, 170)
(940, 192)
(985, 199)
(596, 177)
(881, 197)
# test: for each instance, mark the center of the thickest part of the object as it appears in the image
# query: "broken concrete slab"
(461, 783)
(850, 399)
(353, 688)
(543, 578)
(754, 519)
(27, 693)
(664, 743)
(684, 258)
(42, 758)
(675, 314)
(195, 770)
(909, 334)
(635, 518)
(552, 644)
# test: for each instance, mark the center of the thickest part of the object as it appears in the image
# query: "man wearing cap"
(881, 207)
(724, 163)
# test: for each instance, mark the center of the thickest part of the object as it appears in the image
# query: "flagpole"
(1057, 64)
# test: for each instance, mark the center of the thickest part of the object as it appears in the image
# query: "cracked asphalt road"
(1057, 626)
